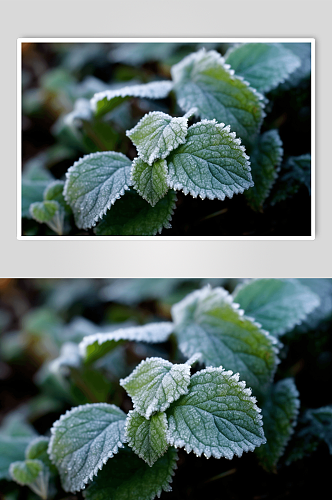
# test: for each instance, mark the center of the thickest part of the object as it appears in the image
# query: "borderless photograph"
(166, 138)
(124, 388)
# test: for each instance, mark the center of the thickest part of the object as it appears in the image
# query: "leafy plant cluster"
(213, 135)
(215, 375)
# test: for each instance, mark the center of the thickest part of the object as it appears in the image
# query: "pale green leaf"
(147, 437)
(126, 476)
(32, 192)
(44, 211)
(263, 65)
(83, 440)
(321, 315)
(218, 417)
(94, 346)
(105, 101)
(211, 164)
(157, 134)
(280, 410)
(265, 159)
(294, 173)
(204, 81)
(277, 304)
(32, 473)
(155, 384)
(150, 181)
(12, 449)
(133, 216)
(54, 191)
(303, 52)
(94, 183)
(208, 321)
(37, 450)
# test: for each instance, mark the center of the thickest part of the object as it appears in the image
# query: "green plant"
(241, 401)
(223, 154)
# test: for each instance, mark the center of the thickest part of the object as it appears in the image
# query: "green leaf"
(32, 473)
(150, 181)
(321, 315)
(106, 101)
(263, 65)
(157, 134)
(127, 476)
(155, 384)
(218, 416)
(54, 191)
(133, 216)
(277, 304)
(280, 411)
(320, 424)
(208, 321)
(32, 192)
(293, 174)
(202, 80)
(94, 183)
(83, 440)
(92, 347)
(211, 164)
(37, 450)
(265, 161)
(50, 213)
(147, 437)
(303, 52)
(12, 449)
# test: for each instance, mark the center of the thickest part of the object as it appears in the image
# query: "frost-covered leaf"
(321, 315)
(263, 65)
(32, 192)
(157, 134)
(12, 449)
(127, 477)
(294, 173)
(94, 346)
(280, 410)
(277, 304)
(69, 357)
(82, 111)
(94, 183)
(32, 473)
(204, 81)
(208, 321)
(147, 437)
(155, 384)
(50, 213)
(218, 416)
(303, 52)
(211, 164)
(265, 159)
(133, 216)
(54, 191)
(150, 181)
(320, 424)
(83, 440)
(37, 450)
(105, 101)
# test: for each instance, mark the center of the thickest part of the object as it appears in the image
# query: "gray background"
(171, 18)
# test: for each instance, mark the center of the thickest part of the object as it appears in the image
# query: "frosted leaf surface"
(279, 411)
(94, 346)
(211, 164)
(133, 216)
(208, 321)
(94, 183)
(83, 440)
(147, 437)
(127, 477)
(32, 473)
(263, 65)
(54, 191)
(105, 101)
(150, 181)
(218, 416)
(37, 450)
(322, 314)
(277, 304)
(69, 357)
(265, 159)
(155, 384)
(204, 81)
(11, 450)
(44, 211)
(157, 134)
